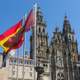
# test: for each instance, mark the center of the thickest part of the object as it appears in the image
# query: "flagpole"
(35, 24)
(23, 55)
(17, 62)
(17, 59)
(12, 65)
(12, 70)
(23, 48)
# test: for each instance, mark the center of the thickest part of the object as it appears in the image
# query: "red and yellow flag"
(8, 34)
(13, 38)
(15, 41)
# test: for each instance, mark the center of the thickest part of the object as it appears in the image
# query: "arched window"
(39, 29)
(43, 30)
(60, 76)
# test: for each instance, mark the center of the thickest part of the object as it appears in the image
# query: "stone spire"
(66, 25)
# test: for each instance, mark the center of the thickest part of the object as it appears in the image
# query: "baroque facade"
(59, 59)
(42, 51)
(62, 65)
(64, 53)
(18, 69)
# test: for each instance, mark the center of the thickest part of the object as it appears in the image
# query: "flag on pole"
(13, 38)
(17, 40)
(30, 21)
(8, 34)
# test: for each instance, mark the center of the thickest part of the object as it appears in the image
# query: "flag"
(14, 37)
(15, 41)
(8, 34)
(10, 31)
(29, 22)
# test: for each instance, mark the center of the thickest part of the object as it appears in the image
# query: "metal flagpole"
(17, 63)
(23, 49)
(35, 25)
(12, 66)
(17, 59)
(12, 70)
(23, 56)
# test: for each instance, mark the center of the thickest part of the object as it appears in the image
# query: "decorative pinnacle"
(65, 17)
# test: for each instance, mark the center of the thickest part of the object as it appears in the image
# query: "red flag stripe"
(11, 30)
(30, 20)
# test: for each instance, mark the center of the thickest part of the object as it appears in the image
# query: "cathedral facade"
(55, 60)
(60, 57)
(42, 49)
(64, 53)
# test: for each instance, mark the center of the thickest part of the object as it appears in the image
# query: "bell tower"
(64, 53)
(42, 36)
(69, 39)
(42, 50)
(71, 50)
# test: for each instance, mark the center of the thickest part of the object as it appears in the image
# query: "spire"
(65, 18)
(57, 29)
(66, 25)
(66, 21)
(40, 19)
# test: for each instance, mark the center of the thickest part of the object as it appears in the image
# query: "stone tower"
(64, 53)
(57, 65)
(42, 51)
(71, 51)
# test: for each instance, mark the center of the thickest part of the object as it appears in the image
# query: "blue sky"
(54, 11)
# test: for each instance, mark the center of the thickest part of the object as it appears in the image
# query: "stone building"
(16, 70)
(58, 60)
(42, 50)
(64, 53)
(78, 66)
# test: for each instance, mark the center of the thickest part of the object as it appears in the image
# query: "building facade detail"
(57, 59)
(64, 53)
(42, 53)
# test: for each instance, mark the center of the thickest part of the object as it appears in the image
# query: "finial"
(56, 29)
(65, 17)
